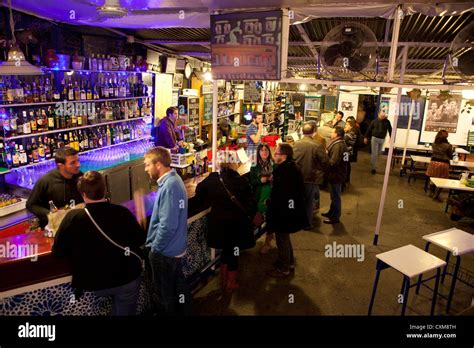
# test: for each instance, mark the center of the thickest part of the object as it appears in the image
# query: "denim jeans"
(336, 206)
(124, 297)
(285, 251)
(376, 148)
(310, 191)
(169, 284)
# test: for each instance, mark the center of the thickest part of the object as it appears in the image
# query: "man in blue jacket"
(168, 233)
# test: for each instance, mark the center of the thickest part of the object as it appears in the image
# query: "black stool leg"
(453, 284)
(427, 247)
(435, 292)
(445, 267)
(374, 290)
(402, 291)
(405, 294)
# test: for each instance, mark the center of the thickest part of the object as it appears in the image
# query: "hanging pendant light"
(16, 63)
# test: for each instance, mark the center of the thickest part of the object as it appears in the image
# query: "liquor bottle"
(8, 156)
(73, 120)
(94, 62)
(64, 90)
(3, 100)
(19, 96)
(100, 65)
(29, 152)
(51, 119)
(57, 89)
(20, 125)
(116, 88)
(77, 91)
(105, 89)
(42, 92)
(35, 93)
(10, 92)
(121, 135)
(41, 150)
(33, 122)
(95, 91)
(48, 90)
(111, 89)
(47, 149)
(68, 121)
(116, 111)
(39, 120)
(65, 140)
(52, 146)
(76, 142)
(61, 120)
(3, 156)
(108, 137)
(83, 91)
(85, 140)
(23, 156)
(70, 91)
(34, 151)
(26, 124)
(105, 63)
(15, 156)
(59, 141)
(90, 136)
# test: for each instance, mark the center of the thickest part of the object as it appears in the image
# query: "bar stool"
(411, 262)
(456, 242)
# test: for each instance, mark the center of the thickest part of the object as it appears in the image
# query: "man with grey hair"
(312, 159)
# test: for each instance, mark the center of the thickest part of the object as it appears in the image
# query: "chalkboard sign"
(252, 94)
(207, 113)
(247, 46)
(193, 111)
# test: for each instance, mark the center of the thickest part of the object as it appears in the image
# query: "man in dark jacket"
(336, 173)
(312, 159)
(59, 185)
(110, 264)
(165, 134)
(378, 131)
(286, 213)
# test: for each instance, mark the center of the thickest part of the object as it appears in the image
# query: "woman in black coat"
(286, 208)
(229, 228)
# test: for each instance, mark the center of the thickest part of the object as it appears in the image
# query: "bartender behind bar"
(59, 185)
(166, 134)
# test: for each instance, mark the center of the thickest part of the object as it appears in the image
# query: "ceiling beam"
(174, 42)
(305, 37)
(431, 61)
(380, 44)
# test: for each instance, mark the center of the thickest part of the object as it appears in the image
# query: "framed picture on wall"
(178, 81)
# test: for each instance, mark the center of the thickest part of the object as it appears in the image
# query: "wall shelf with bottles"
(99, 71)
(75, 128)
(81, 153)
(71, 101)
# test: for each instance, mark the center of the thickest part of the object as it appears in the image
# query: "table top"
(454, 240)
(424, 159)
(410, 260)
(429, 149)
(450, 184)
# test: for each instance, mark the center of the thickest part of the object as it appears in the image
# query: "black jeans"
(285, 251)
(229, 258)
(169, 284)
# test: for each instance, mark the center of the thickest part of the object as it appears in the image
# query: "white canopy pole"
(393, 54)
(214, 124)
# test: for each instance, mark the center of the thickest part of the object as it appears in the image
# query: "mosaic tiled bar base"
(59, 299)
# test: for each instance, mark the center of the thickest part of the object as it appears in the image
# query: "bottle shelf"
(100, 71)
(235, 113)
(32, 135)
(80, 153)
(70, 101)
(228, 101)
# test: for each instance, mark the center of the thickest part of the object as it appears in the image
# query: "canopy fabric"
(83, 12)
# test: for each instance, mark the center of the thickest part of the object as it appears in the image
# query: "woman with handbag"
(233, 207)
(260, 175)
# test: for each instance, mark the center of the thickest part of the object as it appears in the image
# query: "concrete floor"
(343, 286)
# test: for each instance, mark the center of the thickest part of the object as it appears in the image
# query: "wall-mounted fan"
(349, 50)
(461, 54)
(103, 10)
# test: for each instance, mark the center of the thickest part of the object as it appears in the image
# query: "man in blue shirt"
(168, 233)
(254, 133)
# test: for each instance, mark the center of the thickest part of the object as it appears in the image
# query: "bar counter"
(37, 283)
